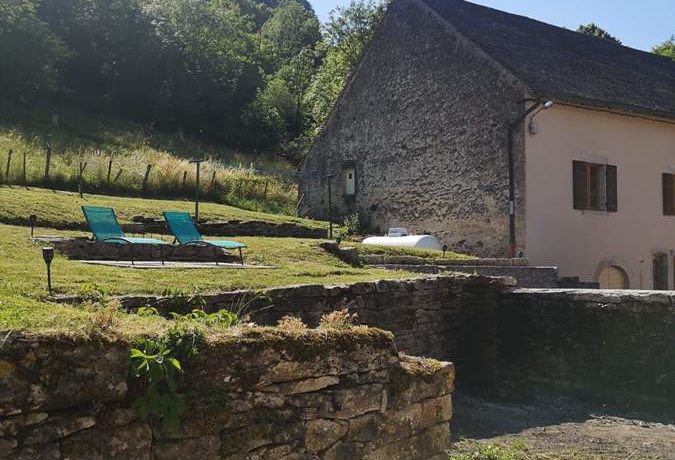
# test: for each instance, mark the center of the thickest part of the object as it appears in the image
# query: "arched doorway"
(613, 277)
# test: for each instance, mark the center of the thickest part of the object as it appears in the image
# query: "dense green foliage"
(597, 31)
(666, 48)
(257, 75)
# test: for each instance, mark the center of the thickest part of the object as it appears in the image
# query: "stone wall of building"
(424, 123)
(610, 346)
(262, 394)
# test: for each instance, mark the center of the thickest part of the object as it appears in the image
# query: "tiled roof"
(560, 64)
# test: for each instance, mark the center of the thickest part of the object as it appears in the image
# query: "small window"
(595, 186)
(668, 195)
(660, 272)
(349, 175)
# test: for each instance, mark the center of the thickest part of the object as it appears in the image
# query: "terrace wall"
(264, 394)
(611, 346)
(443, 317)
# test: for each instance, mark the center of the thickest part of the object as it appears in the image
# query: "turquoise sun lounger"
(106, 228)
(185, 231)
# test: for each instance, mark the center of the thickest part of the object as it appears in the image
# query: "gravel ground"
(564, 429)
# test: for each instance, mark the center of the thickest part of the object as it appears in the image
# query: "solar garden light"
(48, 256)
(338, 240)
(32, 221)
(445, 249)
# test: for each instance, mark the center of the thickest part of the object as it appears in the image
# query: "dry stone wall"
(443, 317)
(262, 394)
(610, 346)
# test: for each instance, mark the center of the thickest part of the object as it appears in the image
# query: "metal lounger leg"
(241, 256)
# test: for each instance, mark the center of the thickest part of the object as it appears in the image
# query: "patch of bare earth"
(564, 429)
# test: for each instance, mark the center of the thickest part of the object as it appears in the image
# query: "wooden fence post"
(213, 181)
(80, 185)
(48, 160)
(9, 162)
(117, 176)
(146, 177)
(109, 170)
(23, 171)
(267, 182)
(184, 178)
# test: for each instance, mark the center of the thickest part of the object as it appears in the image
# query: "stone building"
(500, 134)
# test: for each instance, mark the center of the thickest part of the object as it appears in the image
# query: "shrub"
(291, 324)
(340, 319)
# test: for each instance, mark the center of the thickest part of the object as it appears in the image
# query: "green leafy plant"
(351, 226)
(147, 311)
(517, 450)
(92, 293)
(182, 302)
(154, 363)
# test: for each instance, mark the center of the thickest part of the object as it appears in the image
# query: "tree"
(666, 48)
(29, 54)
(290, 29)
(597, 31)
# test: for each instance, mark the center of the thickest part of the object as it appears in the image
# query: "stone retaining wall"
(443, 317)
(611, 346)
(264, 395)
(84, 249)
(527, 277)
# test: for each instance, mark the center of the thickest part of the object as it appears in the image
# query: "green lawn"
(401, 251)
(23, 278)
(62, 209)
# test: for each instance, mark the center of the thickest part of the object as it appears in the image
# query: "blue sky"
(638, 24)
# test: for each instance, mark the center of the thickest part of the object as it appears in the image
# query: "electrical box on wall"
(349, 175)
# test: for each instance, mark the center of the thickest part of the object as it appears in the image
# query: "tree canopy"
(597, 31)
(667, 48)
(258, 75)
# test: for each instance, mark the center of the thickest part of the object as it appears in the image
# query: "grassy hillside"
(126, 149)
(59, 209)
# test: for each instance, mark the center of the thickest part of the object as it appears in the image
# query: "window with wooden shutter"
(668, 197)
(611, 188)
(580, 184)
(595, 186)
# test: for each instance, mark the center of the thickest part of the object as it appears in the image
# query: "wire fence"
(150, 174)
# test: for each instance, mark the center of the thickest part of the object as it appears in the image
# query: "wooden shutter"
(612, 193)
(668, 195)
(580, 184)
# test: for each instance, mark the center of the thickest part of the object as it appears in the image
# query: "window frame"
(595, 186)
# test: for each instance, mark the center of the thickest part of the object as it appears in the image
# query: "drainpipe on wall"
(512, 180)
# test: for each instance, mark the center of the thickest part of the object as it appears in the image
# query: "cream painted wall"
(579, 241)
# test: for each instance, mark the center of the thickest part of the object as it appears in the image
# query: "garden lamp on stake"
(32, 221)
(48, 256)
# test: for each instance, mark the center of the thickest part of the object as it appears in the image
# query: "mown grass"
(23, 276)
(402, 251)
(227, 177)
(62, 209)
